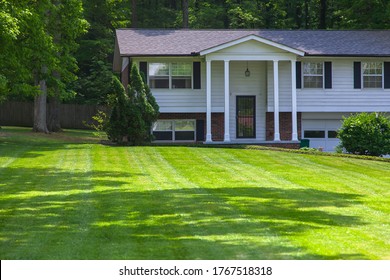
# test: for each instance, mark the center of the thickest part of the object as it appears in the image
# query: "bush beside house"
(133, 111)
(366, 134)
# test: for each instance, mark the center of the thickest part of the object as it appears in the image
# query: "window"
(185, 130)
(174, 130)
(314, 134)
(313, 74)
(163, 130)
(159, 75)
(372, 74)
(181, 75)
(170, 75)
(332, 134)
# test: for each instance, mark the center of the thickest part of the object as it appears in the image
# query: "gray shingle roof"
(166, 42)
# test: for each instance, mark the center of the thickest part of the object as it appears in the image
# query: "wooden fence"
(71, 115)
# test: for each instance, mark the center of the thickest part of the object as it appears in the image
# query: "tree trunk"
(323, 8)
(53, 118)
(298, 15)
(306, 14)
(134, 18)
(40, 108)
(185, 14)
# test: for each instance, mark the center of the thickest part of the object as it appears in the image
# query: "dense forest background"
(64, 48)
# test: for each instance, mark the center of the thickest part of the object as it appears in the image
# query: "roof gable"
(255, 38)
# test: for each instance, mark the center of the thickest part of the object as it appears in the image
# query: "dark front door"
(246, 116)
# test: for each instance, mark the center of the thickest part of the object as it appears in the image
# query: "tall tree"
(94, 54)
(66, 25)
(134, 18)
(34, 56)
(323, 14)
(185, 13)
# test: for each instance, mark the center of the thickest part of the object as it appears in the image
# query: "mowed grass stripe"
(62, 199)
(333, 211)
(236, 183)
(355, 181)
(177, 201)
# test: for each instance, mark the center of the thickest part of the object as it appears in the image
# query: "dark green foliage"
(133, 112)
(3, 88)
(94, 85)
(366, 134)
(116, 127)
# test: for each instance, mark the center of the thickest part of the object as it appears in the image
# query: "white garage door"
(321, 133)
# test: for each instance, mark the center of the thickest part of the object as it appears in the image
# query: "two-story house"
(258, 86)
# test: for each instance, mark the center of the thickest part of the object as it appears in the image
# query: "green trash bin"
(305, 143)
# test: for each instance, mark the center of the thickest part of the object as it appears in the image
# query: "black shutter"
(328, 74)
(387, 74)
(357, 75)
(199, 130)
(143, 69)
(298, 67)
(197, 79)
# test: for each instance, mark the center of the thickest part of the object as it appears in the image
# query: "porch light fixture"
(247, 72)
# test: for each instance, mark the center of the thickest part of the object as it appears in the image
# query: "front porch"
(228, 78)
(198, 129)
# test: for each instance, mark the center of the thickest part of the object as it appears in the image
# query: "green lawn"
(64, 196)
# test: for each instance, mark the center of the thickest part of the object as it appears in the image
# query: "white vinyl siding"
(285, 97)
(179, 100)
(342, 97)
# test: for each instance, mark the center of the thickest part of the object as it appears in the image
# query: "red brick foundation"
(217, 126)
(285, 126)
(282, 145)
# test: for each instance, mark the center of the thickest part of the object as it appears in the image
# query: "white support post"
(227, 106)
(294, 136)
(208, 101)
(276, 101)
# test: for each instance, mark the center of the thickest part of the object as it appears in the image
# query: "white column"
(276, 101)
(208, 101)
(294, 136)
(227, 106)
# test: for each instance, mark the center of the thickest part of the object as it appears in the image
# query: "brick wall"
(285, 126)
(283, 145)
(217, 124)
(217, 121)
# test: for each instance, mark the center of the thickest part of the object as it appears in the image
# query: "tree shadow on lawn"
(25, 149)
(101, 215)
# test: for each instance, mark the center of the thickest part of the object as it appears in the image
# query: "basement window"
(174, 130)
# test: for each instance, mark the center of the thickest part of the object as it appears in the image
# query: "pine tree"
(133, 113)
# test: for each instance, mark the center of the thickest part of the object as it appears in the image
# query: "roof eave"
(347, 55)
(158, 55)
